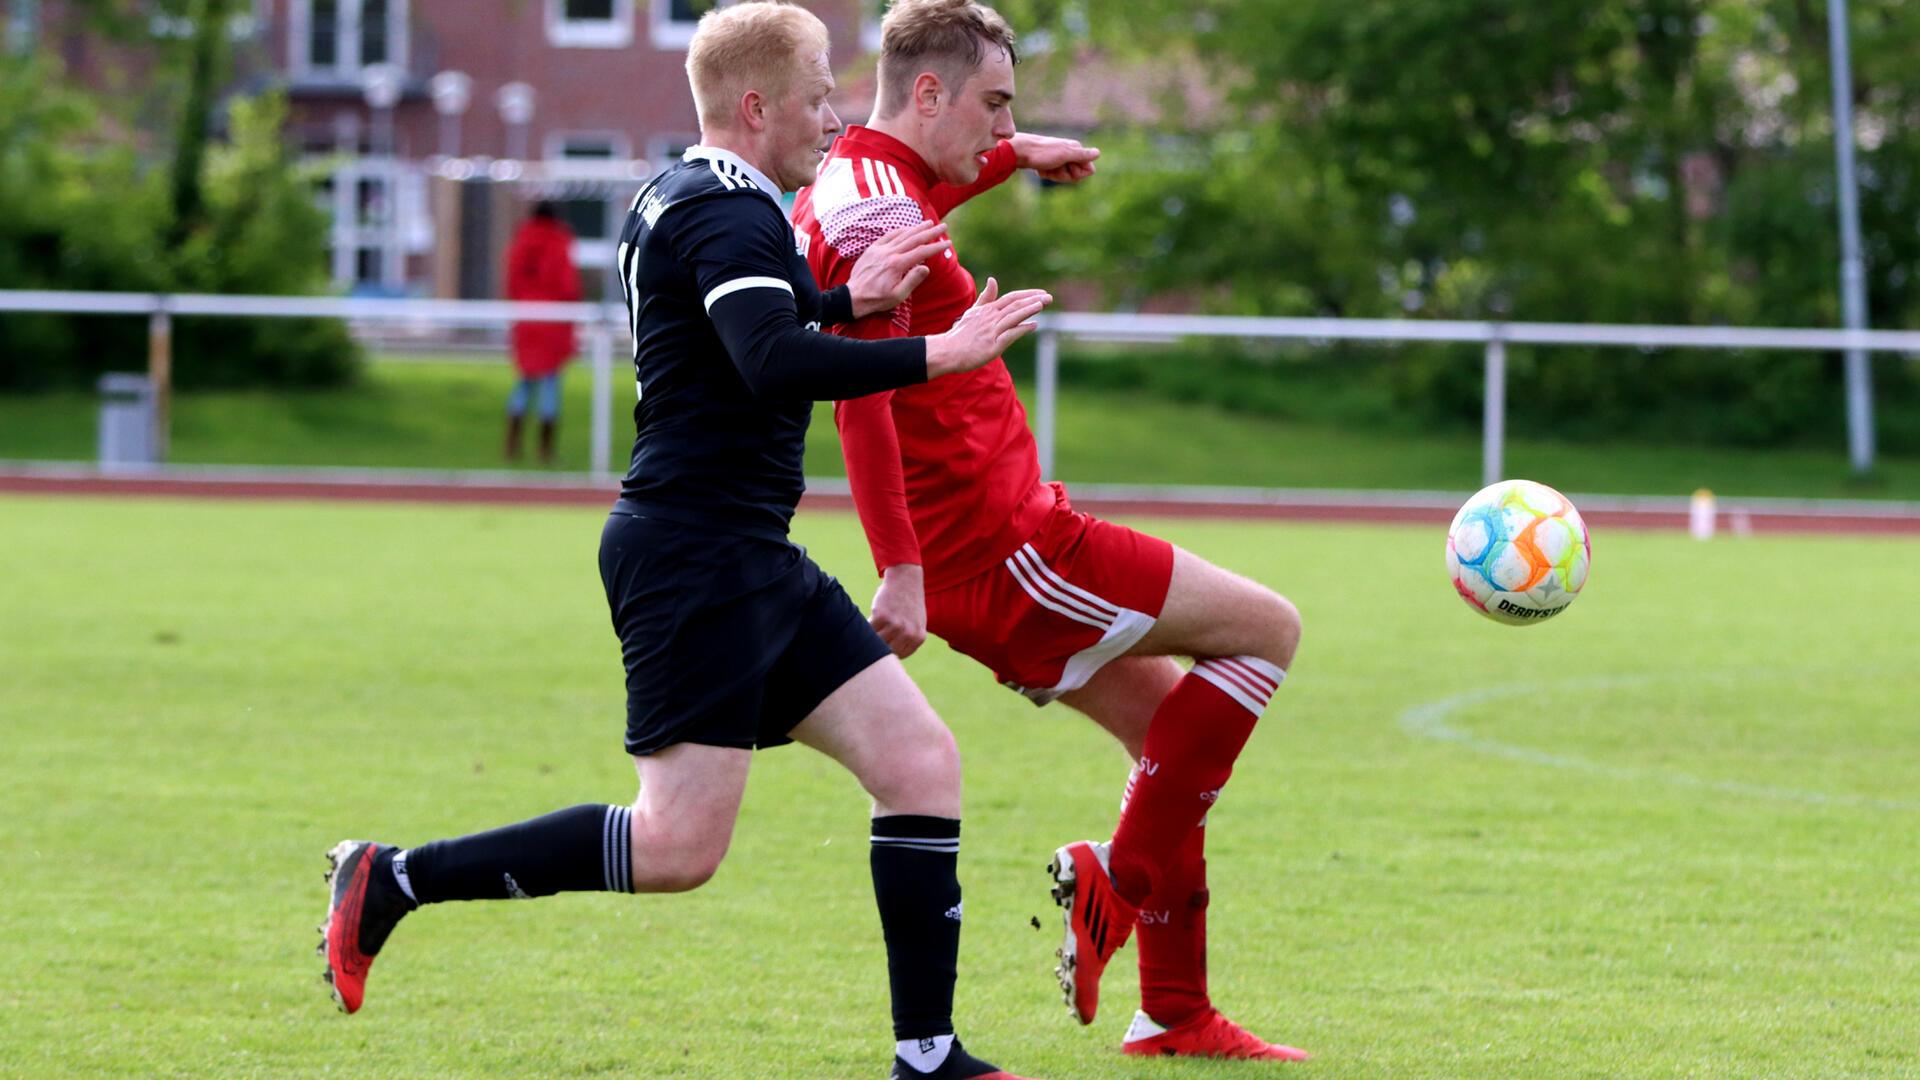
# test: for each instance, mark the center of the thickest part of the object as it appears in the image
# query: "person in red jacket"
(974, 546)
(540, 267)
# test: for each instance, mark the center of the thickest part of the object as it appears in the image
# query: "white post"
(600, 343)
(160, 375)
(1047, 402)
(1493, 420)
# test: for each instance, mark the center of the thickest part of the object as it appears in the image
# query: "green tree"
(1614, 161)
(88, 212)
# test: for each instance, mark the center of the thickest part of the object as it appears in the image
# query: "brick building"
(435, 122)
(493, 104)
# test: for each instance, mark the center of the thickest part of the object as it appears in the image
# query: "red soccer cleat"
(359, 918)
(1210, 1034)
(1098, 922)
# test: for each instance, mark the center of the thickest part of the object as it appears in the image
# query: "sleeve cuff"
(836, 306)
(1001, 163)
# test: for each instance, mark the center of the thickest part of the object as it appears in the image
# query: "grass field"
(1669, 834)
(447, 415)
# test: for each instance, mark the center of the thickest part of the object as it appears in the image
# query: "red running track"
(1301, 507)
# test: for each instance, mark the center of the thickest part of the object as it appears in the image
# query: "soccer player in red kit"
(974, 547)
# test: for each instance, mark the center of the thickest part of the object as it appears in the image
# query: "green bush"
(83, 214)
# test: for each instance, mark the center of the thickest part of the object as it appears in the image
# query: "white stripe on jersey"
(737, 284)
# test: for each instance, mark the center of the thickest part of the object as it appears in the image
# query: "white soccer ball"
(1518, 552)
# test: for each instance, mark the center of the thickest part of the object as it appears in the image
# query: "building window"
(336, 39)
(590, 24)
(673, 21)
(664, 150)
(591, 204)
(589, 216)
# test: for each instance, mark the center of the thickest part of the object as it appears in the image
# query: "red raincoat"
(540, 267)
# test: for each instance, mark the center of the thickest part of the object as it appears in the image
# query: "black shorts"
(728, 640)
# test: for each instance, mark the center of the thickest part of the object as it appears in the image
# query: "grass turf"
(1668, 834)
(448, 415)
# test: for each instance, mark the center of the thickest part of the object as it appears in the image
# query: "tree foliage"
(1664, 161)
(87, 211)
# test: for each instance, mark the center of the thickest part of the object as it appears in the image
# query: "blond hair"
(762, 45)
(947, 37)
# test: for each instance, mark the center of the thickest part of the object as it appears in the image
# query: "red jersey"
(945, 475)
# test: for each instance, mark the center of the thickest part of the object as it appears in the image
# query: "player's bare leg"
(879, 725)
(684, 815)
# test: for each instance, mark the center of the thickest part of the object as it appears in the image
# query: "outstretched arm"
(739, 265)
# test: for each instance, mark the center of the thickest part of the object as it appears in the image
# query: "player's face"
(974, 122)
(804, 127)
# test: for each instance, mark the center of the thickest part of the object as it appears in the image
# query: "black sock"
(579, 849)
(914, 860)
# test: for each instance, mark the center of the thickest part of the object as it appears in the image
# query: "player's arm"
(869, 442)
(892, 268)
(871, 446)
(1063, 161)
(737, 255)
(1000, 164)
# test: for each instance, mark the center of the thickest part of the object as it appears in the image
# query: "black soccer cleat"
(959, 1065)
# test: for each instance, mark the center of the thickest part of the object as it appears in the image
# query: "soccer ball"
(1518, 552)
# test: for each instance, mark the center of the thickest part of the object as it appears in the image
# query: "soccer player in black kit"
(733, 639)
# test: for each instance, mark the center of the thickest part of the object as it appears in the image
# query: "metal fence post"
(1493, 420)
(1047, 401)
(160, 372)
(600, 341)
(1853, 272)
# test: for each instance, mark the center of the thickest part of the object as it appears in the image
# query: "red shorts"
(1079, 593)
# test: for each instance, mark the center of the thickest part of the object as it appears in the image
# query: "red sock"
(1191, 745)
(1173, 939)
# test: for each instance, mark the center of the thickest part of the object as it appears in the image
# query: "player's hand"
(1063, 161)
(895, 265)
(900, 609)
(984, 332)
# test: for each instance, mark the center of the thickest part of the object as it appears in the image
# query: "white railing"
(602, 322)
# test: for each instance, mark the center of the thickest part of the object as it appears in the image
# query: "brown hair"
(947, 37)
(758, 45)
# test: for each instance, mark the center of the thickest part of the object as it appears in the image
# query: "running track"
(1427, 508)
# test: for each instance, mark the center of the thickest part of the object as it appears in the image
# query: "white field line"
(1430, 720)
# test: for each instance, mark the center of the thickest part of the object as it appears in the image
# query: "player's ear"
(753, 110)
(928, 92)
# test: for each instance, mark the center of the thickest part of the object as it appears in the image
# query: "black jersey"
(727, 354)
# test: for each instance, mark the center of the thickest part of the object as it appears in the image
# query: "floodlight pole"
(1853, 275)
